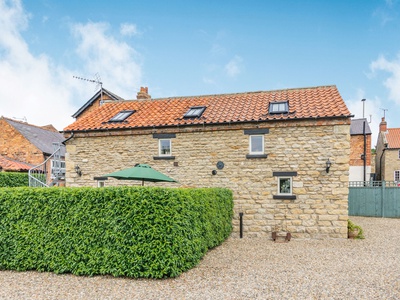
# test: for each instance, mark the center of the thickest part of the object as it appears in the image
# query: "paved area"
(249, 269)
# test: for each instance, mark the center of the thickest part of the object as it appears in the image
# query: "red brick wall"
(94, 106)
(14, 145)
(357, 149)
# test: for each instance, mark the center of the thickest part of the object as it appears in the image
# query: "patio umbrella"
(141, 172)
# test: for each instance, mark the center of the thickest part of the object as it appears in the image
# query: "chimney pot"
(383, 125)
(143, 93)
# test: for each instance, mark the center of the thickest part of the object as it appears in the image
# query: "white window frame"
(397, 175)
(53, 167)
(251, 144)
(160, 148)
(101, 183)
(290, 185)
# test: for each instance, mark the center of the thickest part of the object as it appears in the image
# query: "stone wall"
(391, 163)
(320, 209)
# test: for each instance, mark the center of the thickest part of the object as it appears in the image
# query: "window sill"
(249, 156)
(164, 157)
(285, 197)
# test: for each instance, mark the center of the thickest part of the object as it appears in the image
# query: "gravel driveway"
(249, 269)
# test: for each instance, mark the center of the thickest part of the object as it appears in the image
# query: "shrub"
(13, 179)
(122, 231)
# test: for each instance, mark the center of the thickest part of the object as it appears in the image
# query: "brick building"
(358, 144)
(271, 148)
(24, 145)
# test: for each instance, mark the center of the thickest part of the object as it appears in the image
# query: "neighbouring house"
(25, 145)
(283, 153)
(98, 99)
(11, 165)
(388, 153)
(360, 150)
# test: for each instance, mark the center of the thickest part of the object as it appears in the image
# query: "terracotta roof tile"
(393, 137)
(314, 102)
(9, 164)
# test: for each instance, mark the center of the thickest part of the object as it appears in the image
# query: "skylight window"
(195, 112)
(279, 107)
(121, 116)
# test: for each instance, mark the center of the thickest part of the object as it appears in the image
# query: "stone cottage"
(388, 153)
(283, 153)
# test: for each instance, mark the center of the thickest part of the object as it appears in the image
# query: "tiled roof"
(9, 164)
(393, 137)
(97, 95)
(314, 102)
(356, 127)
(42, 138)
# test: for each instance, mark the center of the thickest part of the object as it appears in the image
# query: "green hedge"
(122, 231)
(13, 179)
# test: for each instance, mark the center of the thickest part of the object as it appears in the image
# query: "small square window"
(284, 185)
(101, 183)
(164, 147)
(256, 144)
(195, 112)
(279, 107)
(121, 116)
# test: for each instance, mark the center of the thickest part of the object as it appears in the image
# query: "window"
(164, 147)
(256, 144)
(397, 175)
(121, 116)
(57, 168)
(399, 154)
(284, 185)
(195, 112)
(101, 183)
(279, 107)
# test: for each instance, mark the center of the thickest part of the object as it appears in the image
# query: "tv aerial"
(98, 82)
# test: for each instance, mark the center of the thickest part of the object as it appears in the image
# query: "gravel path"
(249, 269)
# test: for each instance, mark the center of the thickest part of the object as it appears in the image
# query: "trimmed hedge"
(13, 179)
(122, 231)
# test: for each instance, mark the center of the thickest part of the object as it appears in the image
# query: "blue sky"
(181, 48)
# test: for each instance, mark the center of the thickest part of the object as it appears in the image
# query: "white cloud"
(115, 61)
(35, 87)
(30, 86)
(392, 82)
(128, 29)
(233, 67)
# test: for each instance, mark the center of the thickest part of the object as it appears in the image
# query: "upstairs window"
(256, 144)
(279, 107)
(399, 154)
(164, 147)
(397, 175)
(195, 112)
(121, 116)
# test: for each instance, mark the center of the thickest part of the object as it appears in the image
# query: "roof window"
(121, 116)
(195, 112)
(279, 107)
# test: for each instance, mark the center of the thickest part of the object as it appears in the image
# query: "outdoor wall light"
(328, 165)
(78, 170)
(214, 172)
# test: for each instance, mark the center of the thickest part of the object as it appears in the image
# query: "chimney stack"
(383, 125)
(143, 94)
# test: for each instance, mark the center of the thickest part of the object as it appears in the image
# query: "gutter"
(72, 135)
(207, 124)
